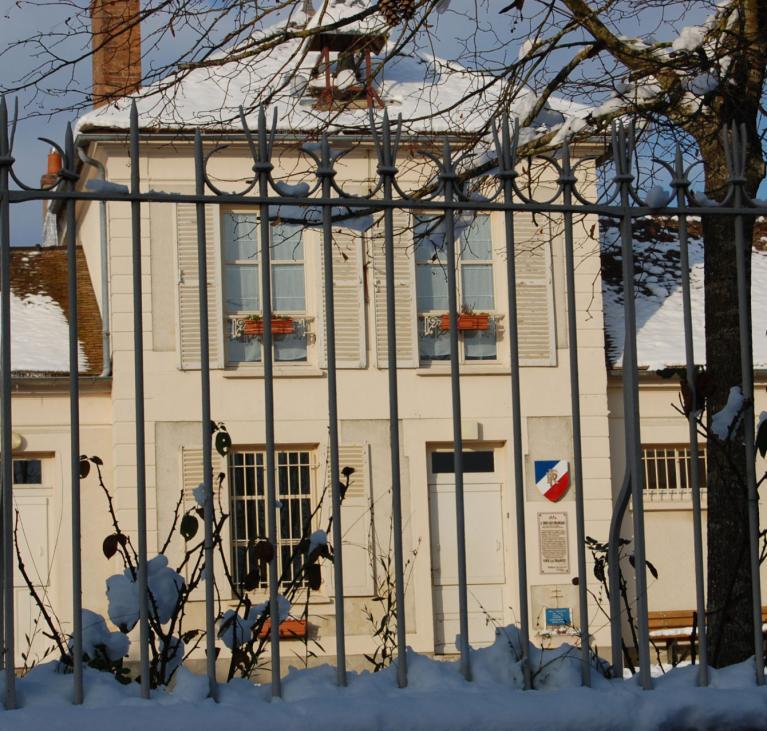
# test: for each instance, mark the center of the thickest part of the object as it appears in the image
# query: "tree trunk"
(729, 609)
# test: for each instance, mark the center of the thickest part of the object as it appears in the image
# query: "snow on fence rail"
(323, 202)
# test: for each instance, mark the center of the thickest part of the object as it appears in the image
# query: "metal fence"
(446, 197)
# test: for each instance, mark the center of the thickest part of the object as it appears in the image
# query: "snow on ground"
(437, 697)
(39, 336)
(658, 301)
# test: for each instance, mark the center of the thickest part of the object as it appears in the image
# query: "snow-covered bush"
(166, 587)
(102, 648)
(235, 630)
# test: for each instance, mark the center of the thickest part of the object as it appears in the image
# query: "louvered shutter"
(406, 322)
(191, 477)
(535, 303)
(188, 300)
(348, 301)
(356, 522)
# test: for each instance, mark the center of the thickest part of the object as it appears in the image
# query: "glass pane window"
(444, 462)
(475, 280)
(247, 480)
(27, 472)
(242, 286)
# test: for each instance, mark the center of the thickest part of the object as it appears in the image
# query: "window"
(476, 289)
(242, 285)
(667, 469)
(27, 472)
(444, 462)
(295, 474)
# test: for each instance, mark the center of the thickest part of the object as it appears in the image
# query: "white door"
(32, 532)
(485, 569)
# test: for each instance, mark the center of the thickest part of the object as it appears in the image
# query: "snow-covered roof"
(658, 301)
(431, 94)
(39, 314)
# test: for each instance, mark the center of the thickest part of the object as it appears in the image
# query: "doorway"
(485, 549)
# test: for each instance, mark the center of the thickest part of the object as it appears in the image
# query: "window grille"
(294, 476)
(667, 470)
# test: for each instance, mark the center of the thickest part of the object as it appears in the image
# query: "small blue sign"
(558, 617)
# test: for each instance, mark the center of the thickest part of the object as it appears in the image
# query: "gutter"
(186, 136)
(59, 383)
(106, 354)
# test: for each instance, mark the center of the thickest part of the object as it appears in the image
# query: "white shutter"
(535, 302)
(406, 322)
(356, 522)
(348, 301)
(188, 300)
(191, 476)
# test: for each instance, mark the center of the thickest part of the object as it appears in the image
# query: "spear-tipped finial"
(3, 126)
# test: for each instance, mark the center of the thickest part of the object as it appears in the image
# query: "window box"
(290, 629)
(255, 327)
(467, 321)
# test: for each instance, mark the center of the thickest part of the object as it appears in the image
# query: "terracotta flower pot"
(289, 629)
(466, 321)
(280, 326)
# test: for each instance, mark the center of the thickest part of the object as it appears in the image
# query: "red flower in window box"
(289, 629)
(468, 321)
(280, 326)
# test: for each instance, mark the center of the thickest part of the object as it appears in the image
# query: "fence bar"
(680, 183)
(449, 179)
(568, 181)
(74, 424)
(737, 164)
(262, 166)
(387, 170)
(207, 455)
(624, 177)
(325, 172)
(507, 157)
(138, 376)
(614, 575)
(6, 425)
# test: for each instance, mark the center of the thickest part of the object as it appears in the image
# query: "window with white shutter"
(356, 520)
(191, 476)
(535, 300)
(404, 293)
(188, 303)
(348, 300)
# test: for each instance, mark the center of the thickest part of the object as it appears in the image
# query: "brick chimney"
(116, 37)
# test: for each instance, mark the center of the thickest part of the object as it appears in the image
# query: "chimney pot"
(54, 162)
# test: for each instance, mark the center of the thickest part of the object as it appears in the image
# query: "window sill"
(317, 598)
(294, 371)
(466, 369)
(664, 501)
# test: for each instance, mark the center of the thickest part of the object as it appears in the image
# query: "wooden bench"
(676, 627)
